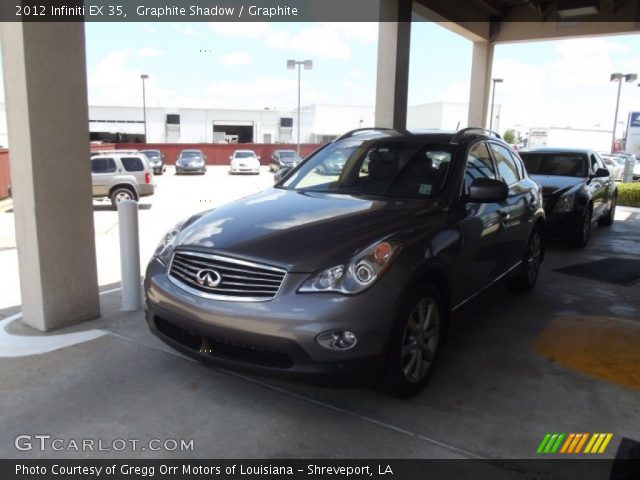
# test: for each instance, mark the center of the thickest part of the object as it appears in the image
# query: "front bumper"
(190, 168)
(245, 169)
(278, 336)
(562, 225)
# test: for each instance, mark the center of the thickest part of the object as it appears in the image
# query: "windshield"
(285, 154)
(378, 167)
(190, 154)
(244, 155)
(151, 154)
(563, 164)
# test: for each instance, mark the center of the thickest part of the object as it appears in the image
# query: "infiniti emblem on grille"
(208, 278)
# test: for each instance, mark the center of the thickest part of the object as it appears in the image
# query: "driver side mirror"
(601, 173)
(280, 174)
(487, 190)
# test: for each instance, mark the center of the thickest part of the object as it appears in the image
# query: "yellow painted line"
(605, 443)
(603, 347)
(582, 440)
(596, 445)
(567, 442)
(590, 444)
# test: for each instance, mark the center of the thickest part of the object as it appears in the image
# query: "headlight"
(359, 274)
(165, 247)
(565, 203)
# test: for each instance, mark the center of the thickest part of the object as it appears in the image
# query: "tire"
(607, 220)
(583, 229)
(531, 261)
(418, 330)
(120, 194)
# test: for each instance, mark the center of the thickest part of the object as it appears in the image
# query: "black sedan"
(156, 161)
(577, 188)
(283, 159)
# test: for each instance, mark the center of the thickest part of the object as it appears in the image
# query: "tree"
(509, 136)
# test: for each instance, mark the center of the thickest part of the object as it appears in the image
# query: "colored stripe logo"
(574, 443)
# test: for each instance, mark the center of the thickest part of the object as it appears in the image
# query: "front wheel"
(583, 229)
(608, 219)
(530, 267)
(415, 341)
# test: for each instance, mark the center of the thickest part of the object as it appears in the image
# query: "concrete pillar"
(47, 120)
(394, 41)
(480, 92)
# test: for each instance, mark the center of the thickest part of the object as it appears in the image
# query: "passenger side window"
(479, 164)
(103, 165)
(506, 166)
(519, 164)
(132, 164)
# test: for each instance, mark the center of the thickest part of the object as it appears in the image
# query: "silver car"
(121, 175)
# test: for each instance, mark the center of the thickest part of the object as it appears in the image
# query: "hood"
(302, 232)
(553, 185)
(245, 160)
(190, 161)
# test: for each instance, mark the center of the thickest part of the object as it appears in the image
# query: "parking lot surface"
(515, 367)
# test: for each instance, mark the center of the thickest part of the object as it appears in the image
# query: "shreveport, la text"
(187, 469)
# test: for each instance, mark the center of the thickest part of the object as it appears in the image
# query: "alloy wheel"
(420, 340)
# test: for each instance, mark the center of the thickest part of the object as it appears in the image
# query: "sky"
(228, 65)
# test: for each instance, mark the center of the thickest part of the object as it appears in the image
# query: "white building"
(319, 123)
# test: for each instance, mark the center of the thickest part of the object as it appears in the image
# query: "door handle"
(504, 218)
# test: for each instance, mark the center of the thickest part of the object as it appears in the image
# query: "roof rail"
(470, 130)
(358, 130)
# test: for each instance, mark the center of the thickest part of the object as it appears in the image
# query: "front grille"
(223, 348)
(224, 278)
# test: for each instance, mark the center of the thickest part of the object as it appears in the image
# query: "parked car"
(332, 165)
(356, 277)
(156, 160)
(615, 164)
(283, 159)
(244, 161)
(191, 161)
(120, 175)
(578, 190)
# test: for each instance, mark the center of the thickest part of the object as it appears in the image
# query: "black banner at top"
(315, 10)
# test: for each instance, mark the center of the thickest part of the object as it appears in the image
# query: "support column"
(47, 120)
(479, 95)
(394, 41)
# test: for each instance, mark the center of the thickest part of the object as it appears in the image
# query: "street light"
(144, 76)
(493, 99)
(308, 65)
(617, 77)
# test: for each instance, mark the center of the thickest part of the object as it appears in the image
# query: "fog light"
(337, 340)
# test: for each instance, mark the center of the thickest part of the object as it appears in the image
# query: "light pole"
(617, 77)
(493, 99)
(144, 76)
(308, 65)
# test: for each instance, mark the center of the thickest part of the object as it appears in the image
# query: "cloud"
(237, 58)
(148, 52)
(112, 82)
(321, 41)
(259, 92)
(187, 30)
(241, 29)
(366, 32)
(455, 92)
